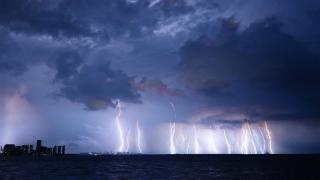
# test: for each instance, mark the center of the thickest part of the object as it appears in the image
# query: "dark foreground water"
(162, 167)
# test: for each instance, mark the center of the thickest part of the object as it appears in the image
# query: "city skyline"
(23, 150)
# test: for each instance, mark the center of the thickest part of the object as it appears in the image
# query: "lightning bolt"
(128, 140)
(183, 138)
(119, 126)
(269, 137)
(263, 150)
(138, 137)
(188, 145)
(172, 131)
(244, 140)
(214, 147)
(252, 139)
(227, 141)
(196, 141)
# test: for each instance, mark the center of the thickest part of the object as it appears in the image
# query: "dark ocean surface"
(162, 167)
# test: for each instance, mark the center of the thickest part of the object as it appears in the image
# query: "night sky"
(222, 65)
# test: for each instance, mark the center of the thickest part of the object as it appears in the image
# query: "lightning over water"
(128, 140)
(213, 141)
(188, 145)
(118, 107)
(196, 140)
(244, 140)
(269, 137)
(138, 137)
(252, 140)
(263, 149)
(254, 137)
(172, 130)
(227, 141)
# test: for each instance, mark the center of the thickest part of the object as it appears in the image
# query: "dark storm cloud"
(9, 61)
(97, 87)
(94, 19)
(174, 8)
(66, 64)
(39, 17)
(79, 23)
(261, 67)
(122, 17)
(156, 86)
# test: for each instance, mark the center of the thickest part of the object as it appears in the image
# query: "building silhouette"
(54, 150)
(63, 149)
(59, 150)
(38, 147)
(13, 150)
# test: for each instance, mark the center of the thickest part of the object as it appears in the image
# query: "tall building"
(9, 149)
(54, 150)
(38, 148)
(30, 149)
(25, 149)
(59, 150)
(63, 149)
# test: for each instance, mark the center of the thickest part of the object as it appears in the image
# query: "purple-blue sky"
(64, 64)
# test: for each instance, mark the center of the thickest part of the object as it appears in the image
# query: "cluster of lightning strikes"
(254, 141)
(119, 126)
(172, 130)
(253, 138)
(138, 137)
(126, 144)
(248, 145)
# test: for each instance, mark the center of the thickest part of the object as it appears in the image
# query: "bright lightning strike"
(138, 137)
(173, 130)
(227, 141)
(188, 145)
(214, 147)
(269, 136)
(196, 140)
(244, 140)
(263, 150)
(119, 126)
(128, 140)
(252, 139)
